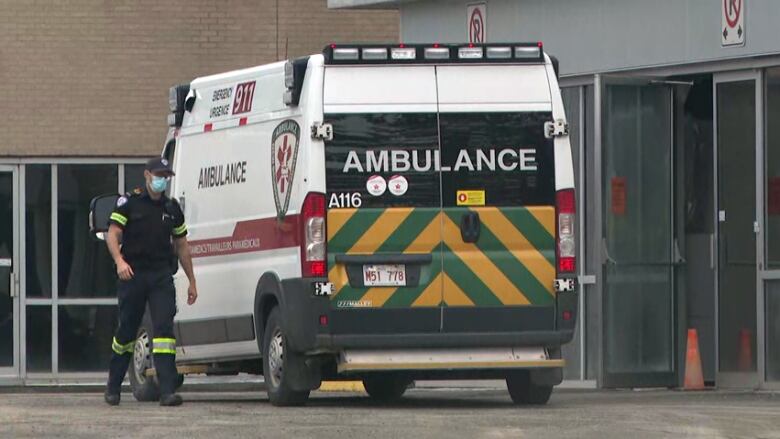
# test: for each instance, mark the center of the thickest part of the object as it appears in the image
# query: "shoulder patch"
(121, 201)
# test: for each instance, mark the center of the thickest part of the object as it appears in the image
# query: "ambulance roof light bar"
(434, 53)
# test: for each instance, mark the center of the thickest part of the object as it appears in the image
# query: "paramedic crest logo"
(284, 154)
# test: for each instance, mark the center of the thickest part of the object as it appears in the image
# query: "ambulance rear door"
(383, 199)
(498, 196)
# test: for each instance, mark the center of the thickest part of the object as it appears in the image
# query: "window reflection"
(85, 266)
(85, 334)
(38, 347)
(37, 188)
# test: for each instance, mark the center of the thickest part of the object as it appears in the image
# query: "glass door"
(738, 226)
(639, 249)
(9, 273)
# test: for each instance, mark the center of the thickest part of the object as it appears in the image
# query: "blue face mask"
(159, 184)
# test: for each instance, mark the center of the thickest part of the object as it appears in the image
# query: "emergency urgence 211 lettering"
(475, 159)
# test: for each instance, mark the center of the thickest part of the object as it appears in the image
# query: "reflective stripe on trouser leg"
(164, 346)
(131, 296)
(162, 307)
(120, 348)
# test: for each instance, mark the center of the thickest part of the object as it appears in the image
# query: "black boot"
(170, 400)
(111, 398)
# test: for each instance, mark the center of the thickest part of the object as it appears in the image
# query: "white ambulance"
(376, 213)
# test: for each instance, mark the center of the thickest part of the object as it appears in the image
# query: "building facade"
(674, 113)
(83, 88)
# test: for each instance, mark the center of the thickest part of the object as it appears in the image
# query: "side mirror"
(100, 209)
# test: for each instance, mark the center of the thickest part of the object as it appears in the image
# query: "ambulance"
(382, 213)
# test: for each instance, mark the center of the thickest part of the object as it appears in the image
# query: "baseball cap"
(159, 164)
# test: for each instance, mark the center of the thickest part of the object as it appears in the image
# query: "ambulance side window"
(169, 154)
(169, 151)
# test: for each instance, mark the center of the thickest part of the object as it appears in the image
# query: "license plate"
(384, 275)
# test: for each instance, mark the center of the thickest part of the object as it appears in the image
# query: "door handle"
(12, 285)
(678, 257)
(470, 227)
(607, 259)
(712, 251)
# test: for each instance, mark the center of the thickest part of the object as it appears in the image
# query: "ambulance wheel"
(275, 362)
(144, 388)
(386, 388)
(179, 381)
(524, 392)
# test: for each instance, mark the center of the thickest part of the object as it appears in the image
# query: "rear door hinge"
(323, 131)
(556, 128)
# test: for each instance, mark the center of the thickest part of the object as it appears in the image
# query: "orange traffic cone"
(745, 359)
(694, 379)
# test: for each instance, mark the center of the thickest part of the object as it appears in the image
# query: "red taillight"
(565, 238)
(313, 245)
(317, 268)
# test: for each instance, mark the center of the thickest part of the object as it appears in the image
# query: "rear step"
(445, 359)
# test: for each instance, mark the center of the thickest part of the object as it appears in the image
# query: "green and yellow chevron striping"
(511, 264)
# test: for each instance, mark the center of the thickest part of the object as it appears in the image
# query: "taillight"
(565, 242)
(313, 245)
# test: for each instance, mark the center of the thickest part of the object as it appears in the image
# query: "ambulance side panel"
(236, 234)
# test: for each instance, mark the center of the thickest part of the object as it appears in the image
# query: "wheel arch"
(268, 294)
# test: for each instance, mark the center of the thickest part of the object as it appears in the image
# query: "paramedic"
(144, 228)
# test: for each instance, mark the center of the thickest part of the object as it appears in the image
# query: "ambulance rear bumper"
(313, 326)
(549, 339)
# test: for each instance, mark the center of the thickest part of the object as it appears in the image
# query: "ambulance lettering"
(221, 175)
(479, 159)
(284, 154)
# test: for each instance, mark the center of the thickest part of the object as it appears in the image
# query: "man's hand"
(124, 270)
(192, 293)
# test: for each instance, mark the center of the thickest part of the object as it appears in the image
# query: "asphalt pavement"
(424, 412)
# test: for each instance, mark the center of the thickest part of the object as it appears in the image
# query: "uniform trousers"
(155, 288)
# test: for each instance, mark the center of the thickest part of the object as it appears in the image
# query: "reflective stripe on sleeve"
(118, 217)
(120, 348)
(180, 230)
(164, 346)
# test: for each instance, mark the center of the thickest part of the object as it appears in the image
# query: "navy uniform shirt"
(147, 227)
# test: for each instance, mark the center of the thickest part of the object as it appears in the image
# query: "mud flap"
(305, 373)
(551, 376)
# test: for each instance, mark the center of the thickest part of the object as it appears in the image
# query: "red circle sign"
(462, 197)
(732, 10)
(476, 27)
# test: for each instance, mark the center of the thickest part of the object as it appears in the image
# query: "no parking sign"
(732, 21)
(476, 22)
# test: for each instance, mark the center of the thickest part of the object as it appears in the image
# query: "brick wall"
(91, 77)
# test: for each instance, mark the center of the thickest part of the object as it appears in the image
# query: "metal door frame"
(742, 379)
(643, 378)
(13, 371)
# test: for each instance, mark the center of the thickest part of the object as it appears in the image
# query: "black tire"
(275, 350)
(524, 392)
(386, 388)
(144, 388)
